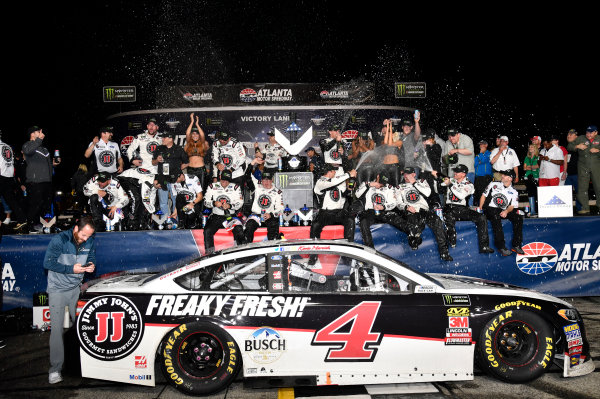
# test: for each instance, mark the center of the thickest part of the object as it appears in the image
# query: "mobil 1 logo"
(109, 327)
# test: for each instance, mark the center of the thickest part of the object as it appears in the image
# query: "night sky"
(506, 71)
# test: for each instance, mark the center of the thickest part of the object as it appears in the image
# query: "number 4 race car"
(318, 313)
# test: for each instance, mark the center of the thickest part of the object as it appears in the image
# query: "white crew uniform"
(501, 196)
(146, 145)
(414, 195)
(330, 148)
(332, 191)
(232, 195)
(190, 188)
(107, 156)
(116, 195)
(272, 153)
(384, 196)
(7, 160)
(232, 155)
(507, 160)
(145, 180)
(457, 192)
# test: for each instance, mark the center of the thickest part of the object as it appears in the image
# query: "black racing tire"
(199, 358)
(516, 346)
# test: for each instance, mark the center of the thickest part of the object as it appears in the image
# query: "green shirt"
(530, 162)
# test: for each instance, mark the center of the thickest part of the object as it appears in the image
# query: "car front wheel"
(516, 346)
(199, 358)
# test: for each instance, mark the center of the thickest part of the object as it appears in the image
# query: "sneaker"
(6, 221)
(446, 257)
(518, 250)
(486, 250)
(505, 252)
(54, 378)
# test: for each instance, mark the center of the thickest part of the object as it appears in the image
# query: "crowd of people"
(408, 177)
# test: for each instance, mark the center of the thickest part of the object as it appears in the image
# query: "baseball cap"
(167, 134)
(195, 130)
(226, 175)
(310, 149)
(460, 169)
(503, 138)
(102, 177)
(482, 142)
(363, 134)
(106, 129)
(33, 129)
(271, 132)
(222, 135)
(554, 137)
(572, 131)
(384, 179)
(267, 176)
(452, 132)
(407, 122)
(509, 172)
(153, 120)
(334, 127)
(536, 138)
(429, 134)
(591, 128)
(408, 170)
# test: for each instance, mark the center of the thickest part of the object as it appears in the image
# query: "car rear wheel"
(199, 358)
(516, 346)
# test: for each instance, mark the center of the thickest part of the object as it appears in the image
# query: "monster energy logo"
(42, 299)
(410, 90)
(450, 300)
(119, 93)
(298, 180)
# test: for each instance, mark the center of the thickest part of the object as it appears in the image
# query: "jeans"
(57, 302)
(163, 199)
(471, 178)
(572, 181)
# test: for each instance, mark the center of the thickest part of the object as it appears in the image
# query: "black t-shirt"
(174, 157)
(572, 165)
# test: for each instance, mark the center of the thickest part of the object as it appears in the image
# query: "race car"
(313, 312)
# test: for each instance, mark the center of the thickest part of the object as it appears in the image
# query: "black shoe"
(486, 250)
(505, 252)
(413, 242)
(518, 250)
(452, 240)
(446, 257)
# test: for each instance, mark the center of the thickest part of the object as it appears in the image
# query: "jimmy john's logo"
(110, 327)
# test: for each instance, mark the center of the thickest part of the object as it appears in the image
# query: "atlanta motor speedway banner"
(562, 256)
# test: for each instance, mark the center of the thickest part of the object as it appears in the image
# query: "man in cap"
(504, 158)
(551, 158)
(273, 153)
(267, 204)
(38, 177)
(432, 168)
(410, 136)
(483, 170)
(107, 154)
(333, 148)
(504, 204)
(379, 199)
(588, 165)
(537, 142)
(170, 159)
(228, 154)
(186, 193)
(141, 149)
(315, 162)
(330, 190)
(459, 150)
(107, 198)
(225, 199)
(458, 189)
(411, 198)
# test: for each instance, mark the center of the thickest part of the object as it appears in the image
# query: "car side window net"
(329, 272)
(241, 274)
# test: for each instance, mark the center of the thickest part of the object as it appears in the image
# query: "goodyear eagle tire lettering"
(199, 358)
(516, 346)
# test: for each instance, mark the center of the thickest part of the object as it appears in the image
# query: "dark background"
(510, 71)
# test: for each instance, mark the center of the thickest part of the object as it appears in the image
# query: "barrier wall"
(562, 255)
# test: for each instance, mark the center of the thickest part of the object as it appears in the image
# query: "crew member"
(225, 199)
(504, 158)
(330, 191)
(107, 154)
(458, 189)
(8, 183)
(138, 183)
(411, 197)
(333, 148)
(228, 154)
(273, 154)
(267, 205)
(107, 198)
(588, 165)
(186, 193)
(70, 254)
(379, 198)
(141, 150)
(503, 204)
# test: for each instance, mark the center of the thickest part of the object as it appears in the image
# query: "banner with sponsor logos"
(562, 256)
(265, 94)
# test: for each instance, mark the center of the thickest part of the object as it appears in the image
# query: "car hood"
(488, 287)
(117, 283)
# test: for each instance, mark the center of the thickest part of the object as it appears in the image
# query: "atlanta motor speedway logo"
(109, 327)
(541, 257)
